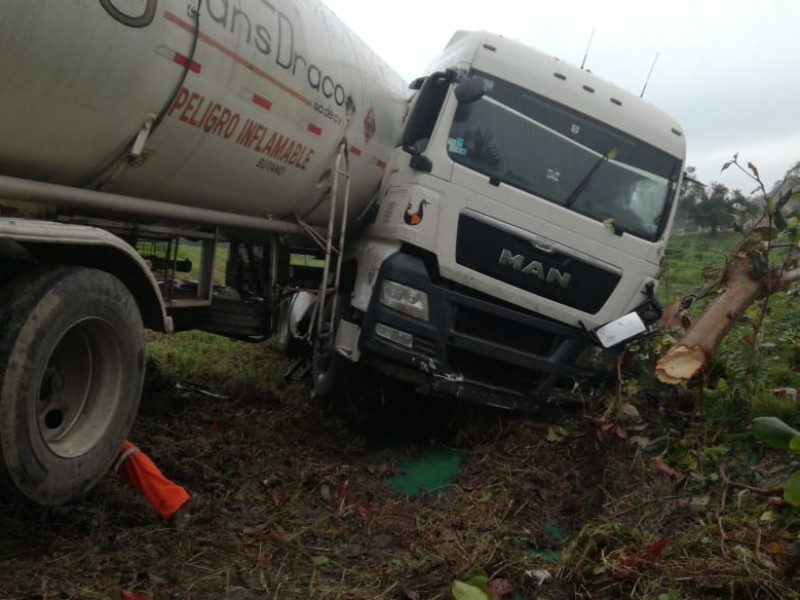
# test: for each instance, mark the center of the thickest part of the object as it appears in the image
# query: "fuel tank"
(234, 105)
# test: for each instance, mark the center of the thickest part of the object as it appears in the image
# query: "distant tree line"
(713, 208)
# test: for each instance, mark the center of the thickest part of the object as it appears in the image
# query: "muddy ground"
(293, 501)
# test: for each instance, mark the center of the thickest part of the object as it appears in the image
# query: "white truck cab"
(528, 206)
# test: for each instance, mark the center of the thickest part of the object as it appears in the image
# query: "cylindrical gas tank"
(250, 100)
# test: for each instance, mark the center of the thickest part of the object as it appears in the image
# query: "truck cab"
(527, 207)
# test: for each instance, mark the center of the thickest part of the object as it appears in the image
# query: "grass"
(212, 362)
(692, 263)
(192, 251)
(656, 503)
(755, 365)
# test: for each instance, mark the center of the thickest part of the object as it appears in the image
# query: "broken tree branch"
(748, 276)
(774, 491)
(690, 354)
(788, 278)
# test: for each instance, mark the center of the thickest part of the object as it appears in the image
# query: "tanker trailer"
(127, 127)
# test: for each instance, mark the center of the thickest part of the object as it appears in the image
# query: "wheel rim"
(78, 388)
(323, 353)
(323, 356)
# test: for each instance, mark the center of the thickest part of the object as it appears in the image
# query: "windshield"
(521, 139)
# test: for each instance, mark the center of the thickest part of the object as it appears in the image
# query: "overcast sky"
(728, 71)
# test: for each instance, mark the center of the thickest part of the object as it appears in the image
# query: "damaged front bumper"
(471, 347)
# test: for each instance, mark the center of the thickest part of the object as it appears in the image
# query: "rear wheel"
(71, 372)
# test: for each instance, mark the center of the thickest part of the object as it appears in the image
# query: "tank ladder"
(341, 173)
(341, 178)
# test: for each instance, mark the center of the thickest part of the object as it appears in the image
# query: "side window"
(425, 111)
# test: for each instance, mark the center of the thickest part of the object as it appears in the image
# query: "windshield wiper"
(588, 177)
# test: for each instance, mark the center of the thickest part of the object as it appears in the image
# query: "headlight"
(405, 299)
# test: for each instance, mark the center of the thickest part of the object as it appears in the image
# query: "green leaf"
(794, 444)
(780, 221)
(726, 165)
(478, 578)
(791, 490)
(774, 432)
(320, 560)
(327, 491)
(556, 434)
(464, 591)
(768, 516)
(758, 264)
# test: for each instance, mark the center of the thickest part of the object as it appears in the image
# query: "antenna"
(586, 54)
(646, 81)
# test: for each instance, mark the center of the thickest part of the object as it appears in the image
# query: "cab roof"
(564, 83)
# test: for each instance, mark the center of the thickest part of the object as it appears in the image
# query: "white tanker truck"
(490, 233)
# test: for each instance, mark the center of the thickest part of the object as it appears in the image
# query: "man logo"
(535, 268)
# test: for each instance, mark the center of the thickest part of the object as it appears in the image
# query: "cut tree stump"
(691, 353)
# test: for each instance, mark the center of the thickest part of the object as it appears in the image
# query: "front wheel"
(331, 372)
(72, 358)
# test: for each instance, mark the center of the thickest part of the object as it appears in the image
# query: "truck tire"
(72, 358)
(330, 371)
(294, 313)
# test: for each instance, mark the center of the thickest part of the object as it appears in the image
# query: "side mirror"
(471, 89)
(417, 83)
(420, 162)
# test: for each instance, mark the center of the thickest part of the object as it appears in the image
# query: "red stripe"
(184, 60)
(355, 151)
(261, 101)
(314, 129)
(381, 164)
(235, 57)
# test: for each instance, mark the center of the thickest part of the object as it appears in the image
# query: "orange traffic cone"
(165, 496)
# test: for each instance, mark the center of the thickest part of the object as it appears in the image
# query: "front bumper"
(474, 347)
